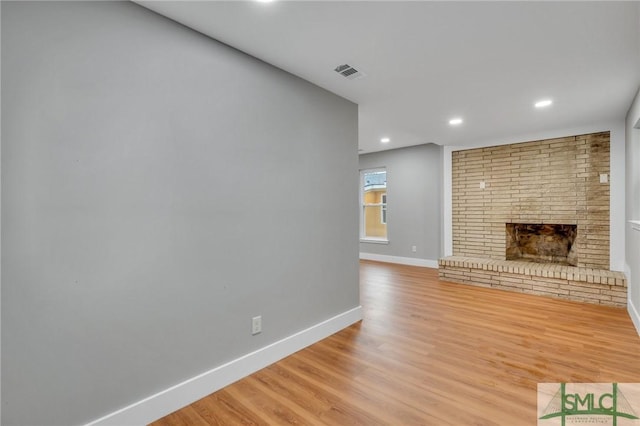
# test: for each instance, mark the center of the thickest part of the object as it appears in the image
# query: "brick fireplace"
(545, 202)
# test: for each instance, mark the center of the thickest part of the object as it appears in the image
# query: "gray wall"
(632, 167)
(414, 211)
(632, 199)
(158, 190)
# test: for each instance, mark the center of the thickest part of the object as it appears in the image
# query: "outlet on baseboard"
(256, 325)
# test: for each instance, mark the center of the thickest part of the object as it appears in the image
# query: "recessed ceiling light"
(543, 103)
(264, 1)
(385, 140)
(455, 121)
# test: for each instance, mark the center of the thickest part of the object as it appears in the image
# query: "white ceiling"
(426, 62)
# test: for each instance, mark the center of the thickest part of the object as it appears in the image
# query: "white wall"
(617, 181)
(632, 266)
(158, 190)
(414, 182)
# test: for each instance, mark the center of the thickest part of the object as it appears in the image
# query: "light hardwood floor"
(430, 352)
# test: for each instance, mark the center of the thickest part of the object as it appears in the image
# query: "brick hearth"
(598, 286)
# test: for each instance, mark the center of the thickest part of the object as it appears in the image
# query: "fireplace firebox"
(542, 243)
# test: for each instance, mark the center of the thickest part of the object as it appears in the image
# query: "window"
(373, 199)
(383, 209)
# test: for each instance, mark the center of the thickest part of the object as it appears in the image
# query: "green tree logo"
(612, 404)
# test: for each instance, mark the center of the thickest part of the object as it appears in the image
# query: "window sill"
(374, 240)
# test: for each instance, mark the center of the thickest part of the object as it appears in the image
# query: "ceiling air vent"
(349, 72)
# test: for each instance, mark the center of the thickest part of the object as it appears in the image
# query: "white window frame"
(363, 237)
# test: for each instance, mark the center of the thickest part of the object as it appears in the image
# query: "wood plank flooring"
(431, 353)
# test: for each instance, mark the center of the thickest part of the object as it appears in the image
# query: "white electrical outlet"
(414, 248)
(604, 178)
(256, 325)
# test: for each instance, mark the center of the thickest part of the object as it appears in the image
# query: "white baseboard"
(169, 400)
(631, 308)
(633, 313)
(427, 263)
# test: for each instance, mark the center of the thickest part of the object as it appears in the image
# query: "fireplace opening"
(542, 243)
